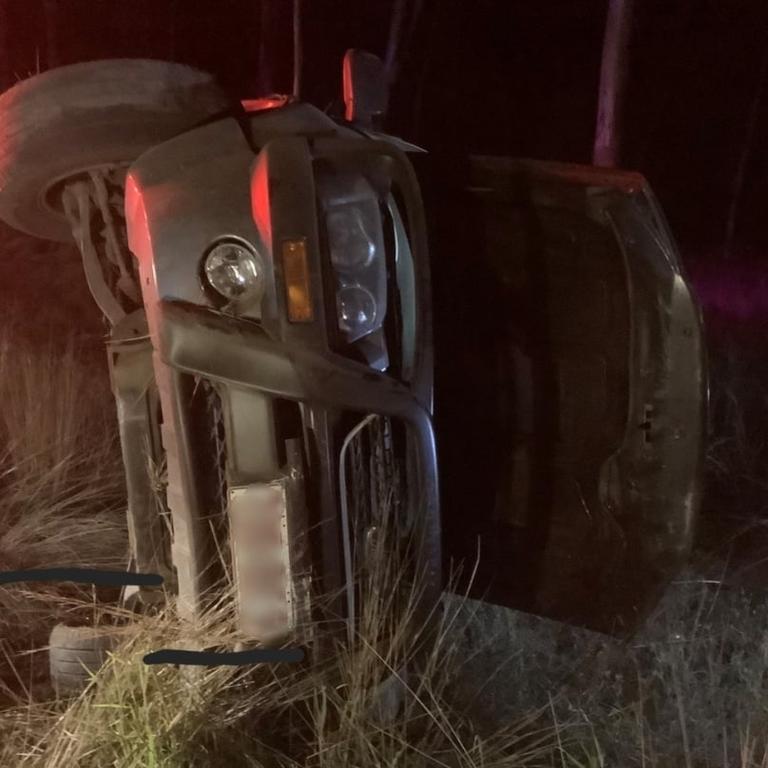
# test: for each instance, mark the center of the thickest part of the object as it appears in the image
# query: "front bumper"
(239, 358)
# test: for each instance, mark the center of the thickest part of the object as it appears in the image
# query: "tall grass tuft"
(61, 483)
(374, 700)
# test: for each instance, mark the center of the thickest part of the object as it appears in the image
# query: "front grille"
(209, 457)
(377, 486)
(253, 529)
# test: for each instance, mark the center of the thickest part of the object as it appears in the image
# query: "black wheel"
(98, 114)
(75, 653)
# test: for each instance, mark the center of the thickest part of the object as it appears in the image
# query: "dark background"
(492, 76)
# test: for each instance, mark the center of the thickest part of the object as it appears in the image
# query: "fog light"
(233, 271)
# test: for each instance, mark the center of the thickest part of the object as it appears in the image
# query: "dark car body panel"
(579, 495)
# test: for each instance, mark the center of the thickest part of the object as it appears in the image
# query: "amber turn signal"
(297, 284)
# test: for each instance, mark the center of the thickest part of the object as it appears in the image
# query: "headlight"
(358, 312)
(352, 247)
(356, 247)
(233, 271)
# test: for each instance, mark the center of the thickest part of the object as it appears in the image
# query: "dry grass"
(332, 712)
(690, 690)
(61, 503)
(61, 483)
(60, 468)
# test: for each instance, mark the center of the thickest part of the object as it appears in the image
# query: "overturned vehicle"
(285, 347)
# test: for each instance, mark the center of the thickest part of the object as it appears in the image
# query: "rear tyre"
(75, 654)
(97, 114)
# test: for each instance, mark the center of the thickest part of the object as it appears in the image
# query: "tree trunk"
(5, 38)
(52, 53)
(297, 49)
(741, 168)
(393, 43)
(401, 32)
(613, 71)
(173, 20)
(268, 17)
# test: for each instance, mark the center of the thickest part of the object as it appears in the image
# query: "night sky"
(516, 77)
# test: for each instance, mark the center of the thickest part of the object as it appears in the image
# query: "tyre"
(101, 113)
(75, 653)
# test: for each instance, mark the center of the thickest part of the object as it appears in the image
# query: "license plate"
(259, 535)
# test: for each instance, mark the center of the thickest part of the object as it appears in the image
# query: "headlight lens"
(233, 271)
(352, 247)
(357, 311)
(356, 247)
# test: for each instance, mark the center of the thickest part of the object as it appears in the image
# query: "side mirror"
(366, 93)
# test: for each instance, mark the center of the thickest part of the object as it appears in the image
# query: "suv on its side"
(263, 269)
